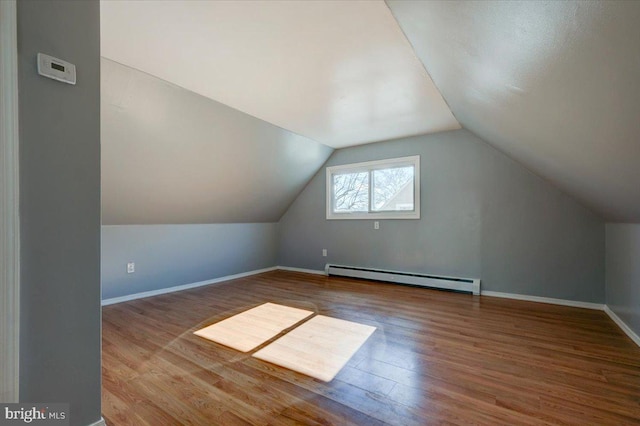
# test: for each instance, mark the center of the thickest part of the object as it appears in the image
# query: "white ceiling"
(339, 72)
(554, 84)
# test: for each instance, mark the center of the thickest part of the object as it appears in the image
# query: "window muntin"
(384, 189)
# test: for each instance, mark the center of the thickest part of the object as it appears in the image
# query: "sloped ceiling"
(339, 72)
(172, 156)
(555, 85)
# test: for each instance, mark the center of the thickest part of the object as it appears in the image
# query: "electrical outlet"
(131, 267)
(376, 225)
(324, 252)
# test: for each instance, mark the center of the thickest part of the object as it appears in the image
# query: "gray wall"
(191, 187)
(172, 156)
(482, 215)
(60, 209)
(623, 273)
(171, 255)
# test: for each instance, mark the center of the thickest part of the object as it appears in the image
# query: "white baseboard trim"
(623, 326)
(144, 294)
(576, 304)
(563, 302)
(306, 271)
(100, 422)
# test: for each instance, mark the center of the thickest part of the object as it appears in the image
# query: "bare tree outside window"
(379, 189)
(393, 189)
(351, 192)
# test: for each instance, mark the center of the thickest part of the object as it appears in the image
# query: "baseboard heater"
(468, 285)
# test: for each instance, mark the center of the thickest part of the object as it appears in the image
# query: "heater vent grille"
(469, 285)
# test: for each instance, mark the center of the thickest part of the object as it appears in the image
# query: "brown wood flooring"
(435, 358)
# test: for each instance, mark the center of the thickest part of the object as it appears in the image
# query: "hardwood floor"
(435, 358)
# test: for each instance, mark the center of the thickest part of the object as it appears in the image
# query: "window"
(385, 189)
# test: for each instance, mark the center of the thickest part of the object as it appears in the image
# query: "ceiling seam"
(424, 67)
(213, 100)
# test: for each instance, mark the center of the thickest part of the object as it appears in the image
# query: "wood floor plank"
(436, 358)
(319, 348)
(252, 328)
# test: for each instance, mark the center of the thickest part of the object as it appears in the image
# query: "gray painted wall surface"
(172, 156)
(171, 255)
(482, 215)
(60, 209)
(623, 273)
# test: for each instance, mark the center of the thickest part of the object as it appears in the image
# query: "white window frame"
(368, 167)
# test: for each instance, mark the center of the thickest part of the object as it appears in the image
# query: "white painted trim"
(9, 206)
(563, 302)
(306, 271)
(144, 294)
(623, 326)
(100, 422)
(576, 304)
(369, 166)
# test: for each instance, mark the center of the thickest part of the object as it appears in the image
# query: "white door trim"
(9, 211)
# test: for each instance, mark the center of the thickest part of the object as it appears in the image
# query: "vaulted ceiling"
(340, 73)
(552, 84)
(172, 156)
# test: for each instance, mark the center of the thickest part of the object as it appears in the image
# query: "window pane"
(351, 192)
(393, 189)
